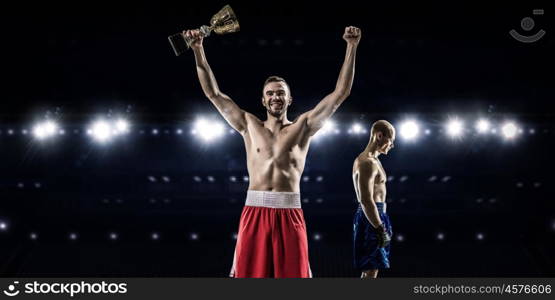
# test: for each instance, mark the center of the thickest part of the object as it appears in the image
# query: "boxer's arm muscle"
(235, 116)
(367, 175)
(327, 106)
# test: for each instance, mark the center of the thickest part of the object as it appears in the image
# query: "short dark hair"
(274, 78)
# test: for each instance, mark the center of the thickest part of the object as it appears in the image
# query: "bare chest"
(286, 143)
(381, 178)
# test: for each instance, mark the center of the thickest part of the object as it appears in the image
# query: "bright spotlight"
(455, 128)
(39, 132)
(409, 130)
(122, 126)
(440, 236)
(327, 129)
(357, 129)
(3, 226)
(482, 126)
(73, 236)
(509, 130)
(208, 130)
(50, 127)
(101, 131)
(317, 236)
(45, 130)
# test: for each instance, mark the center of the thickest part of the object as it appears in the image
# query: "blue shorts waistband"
(381, 206)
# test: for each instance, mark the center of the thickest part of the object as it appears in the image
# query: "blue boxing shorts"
(367, 254)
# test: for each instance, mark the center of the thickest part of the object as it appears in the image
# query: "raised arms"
(327, 106)
(235, 116)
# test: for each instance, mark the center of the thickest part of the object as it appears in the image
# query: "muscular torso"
(276, 157)
(379, 189)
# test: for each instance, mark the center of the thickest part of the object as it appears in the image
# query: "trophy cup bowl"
(223, 22)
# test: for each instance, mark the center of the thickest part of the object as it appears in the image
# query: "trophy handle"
(205, 30)
(180, 44)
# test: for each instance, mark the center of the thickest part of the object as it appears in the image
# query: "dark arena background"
(158, 189)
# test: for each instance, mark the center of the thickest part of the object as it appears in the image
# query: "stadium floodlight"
(482, 126)
(409, 130)
(44, 130)
(356, 128)
(121, 126)
(455, 128)
(509, 130)
(208, 130)
(101, 131)
(328, 128)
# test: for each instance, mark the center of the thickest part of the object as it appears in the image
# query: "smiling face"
(276, 98)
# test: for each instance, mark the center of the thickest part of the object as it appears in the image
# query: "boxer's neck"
(276, 122)
(372, 150)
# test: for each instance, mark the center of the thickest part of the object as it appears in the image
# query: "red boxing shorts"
(271, 241)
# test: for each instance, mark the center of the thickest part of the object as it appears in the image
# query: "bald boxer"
(272, 240)
(371, 225)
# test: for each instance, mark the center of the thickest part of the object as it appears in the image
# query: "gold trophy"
(223, 22)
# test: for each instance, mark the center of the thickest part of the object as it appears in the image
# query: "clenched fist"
(195, 37)
(352, 35)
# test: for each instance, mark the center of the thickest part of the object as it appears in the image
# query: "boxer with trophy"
(272, 239)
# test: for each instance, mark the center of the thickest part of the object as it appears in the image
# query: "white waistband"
(381, 206)
(273, 199)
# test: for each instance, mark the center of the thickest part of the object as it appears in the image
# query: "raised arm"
(234, 115)
(327, 106)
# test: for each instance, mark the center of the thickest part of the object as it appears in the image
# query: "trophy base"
(178, 43)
